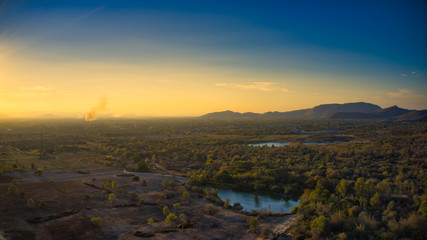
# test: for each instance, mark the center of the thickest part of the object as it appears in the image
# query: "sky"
(187, 58)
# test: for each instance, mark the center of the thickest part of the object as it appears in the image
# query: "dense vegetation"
(366, 180)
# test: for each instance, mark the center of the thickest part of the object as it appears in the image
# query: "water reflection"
(251, 202)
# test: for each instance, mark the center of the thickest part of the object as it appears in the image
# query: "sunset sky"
(187, 58)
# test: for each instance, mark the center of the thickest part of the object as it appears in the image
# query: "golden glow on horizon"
(35, 86)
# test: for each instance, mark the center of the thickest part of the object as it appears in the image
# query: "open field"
(63, 192)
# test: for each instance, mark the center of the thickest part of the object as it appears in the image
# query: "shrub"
(141, 167)
(122, 193)
(96, 220)
(227, 203)
(42, 204)
(111, 197)
(210, 209)
(86, 197)
(13, 189)
(160, 197)
(31, 203)
(150, 221)
(175, 206)
(133, 197)
(165, 210)
(165, 183)
(170, 218)
(38, 172)
(182, 219)
(135, 178)
(185, 197)
(253, 224)
(264, 233)
(114, 184)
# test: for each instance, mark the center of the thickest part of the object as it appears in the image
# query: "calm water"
(269, 144)
(251, 202)
(281, 144)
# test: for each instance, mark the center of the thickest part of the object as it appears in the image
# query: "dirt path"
(284, 226)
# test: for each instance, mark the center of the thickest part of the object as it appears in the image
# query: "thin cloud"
(37, 89)
(404, 74)
(262, 86)
(414, 72)
(285, 90)
(91, 12)
(401, 92)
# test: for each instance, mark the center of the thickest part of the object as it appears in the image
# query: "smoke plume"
(93, 114)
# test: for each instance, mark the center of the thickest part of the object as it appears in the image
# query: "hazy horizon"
(168, 59)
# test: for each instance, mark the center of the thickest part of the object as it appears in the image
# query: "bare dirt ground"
(60, 204)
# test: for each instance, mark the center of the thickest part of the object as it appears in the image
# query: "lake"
(281, 144)
(251, 201)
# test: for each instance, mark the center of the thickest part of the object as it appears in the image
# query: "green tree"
(375, 201)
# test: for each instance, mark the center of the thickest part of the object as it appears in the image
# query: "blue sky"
(373, 47)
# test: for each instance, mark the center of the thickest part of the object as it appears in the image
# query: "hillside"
(391, 113)
(315, 112)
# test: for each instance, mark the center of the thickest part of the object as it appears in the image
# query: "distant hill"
(316, 112)
(392, 113)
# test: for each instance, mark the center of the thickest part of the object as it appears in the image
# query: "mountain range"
(359, 110)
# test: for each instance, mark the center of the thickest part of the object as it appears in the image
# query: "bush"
(96, 220)
(264, 233)
(150, 221)
(135, 178)
(111, 197)
(210, 209)
(38, 172)
(185, 197)
(182, 219)
(141, 167)
(175, 206)
(133, 197)
(86, 197)
(227, 203)
(31, 203)
(170, 218)
(13, 189)
(253, 224)
(165, 210)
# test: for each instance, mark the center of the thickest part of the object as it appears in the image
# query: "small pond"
(251, 202)
(281, 144)
(269, 144)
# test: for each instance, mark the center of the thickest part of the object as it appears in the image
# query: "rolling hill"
(359, 110)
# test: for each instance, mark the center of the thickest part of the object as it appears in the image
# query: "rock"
(144, 232)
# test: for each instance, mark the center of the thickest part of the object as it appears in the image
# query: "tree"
(343, 188)
(141, 167)
(375, 201)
